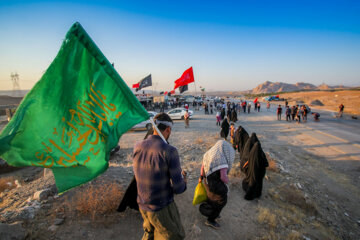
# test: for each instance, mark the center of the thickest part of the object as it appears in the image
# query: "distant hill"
(8, 100)
(269, 87)
(11, 93)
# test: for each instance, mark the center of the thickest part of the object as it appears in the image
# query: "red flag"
(277, 96)
(165, 93)
(256, 99)
(172, 91)
(136, 85)
(186, 78)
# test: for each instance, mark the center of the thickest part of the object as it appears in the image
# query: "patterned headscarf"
(221, 155)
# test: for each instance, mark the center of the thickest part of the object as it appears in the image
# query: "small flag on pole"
(136, 85)
(186, 78)
(183, 88)
(145, 82)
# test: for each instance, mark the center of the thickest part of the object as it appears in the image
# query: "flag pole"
(196, 107)
(157, 130)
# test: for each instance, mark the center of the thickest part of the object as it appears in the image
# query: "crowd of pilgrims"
(218, 160)
(295, 113)
(253, 164)
(217, 163)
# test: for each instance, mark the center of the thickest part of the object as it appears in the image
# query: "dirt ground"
(311, 190)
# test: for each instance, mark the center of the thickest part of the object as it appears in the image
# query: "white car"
(178, 113)
(145, 124)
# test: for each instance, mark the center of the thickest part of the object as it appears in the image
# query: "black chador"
(233, 116)
(224, 129)
(245, 155)
(130, 197)
(222, 114)
(255, 172)
(240, 138)
(228, 114)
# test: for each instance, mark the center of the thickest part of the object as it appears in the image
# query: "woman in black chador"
(233, 116)
(255, 172)
(224, 128)
(241, 136)
(222, 115)
(245, 154)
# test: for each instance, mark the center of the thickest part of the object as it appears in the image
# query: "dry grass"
(206, 141)
(199, 140)
(265, 216)
(295, 197)
(272, 164)
(95, 200)
(289, 215)
(294, 235)
(7, 183)
(210, 142)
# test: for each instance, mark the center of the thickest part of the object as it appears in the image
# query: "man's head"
(164, 123)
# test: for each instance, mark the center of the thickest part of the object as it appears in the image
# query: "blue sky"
(232, 45)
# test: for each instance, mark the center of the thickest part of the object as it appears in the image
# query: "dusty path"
(326, 180)
(313, 192)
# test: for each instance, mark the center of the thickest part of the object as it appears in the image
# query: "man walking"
(158, 175)
(287, 113)
(186, 118)
(293, 113)
(341, 110)
(278, 112)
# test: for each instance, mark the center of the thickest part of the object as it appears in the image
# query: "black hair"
(162, 117)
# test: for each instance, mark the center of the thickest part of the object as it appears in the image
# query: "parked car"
(145, 124)
(178, 113)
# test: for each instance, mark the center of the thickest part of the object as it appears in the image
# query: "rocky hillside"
(268, 87)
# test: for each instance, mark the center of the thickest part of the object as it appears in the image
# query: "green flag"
(73, 116)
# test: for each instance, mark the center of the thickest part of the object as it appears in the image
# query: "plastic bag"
(199, 194)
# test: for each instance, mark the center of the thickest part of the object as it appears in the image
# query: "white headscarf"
(221, 155)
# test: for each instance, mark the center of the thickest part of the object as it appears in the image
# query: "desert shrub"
(199, 140)
(272, 164)
(7, 183)
(95, 199)
(265, 216)
(294, 235)
(295, 197)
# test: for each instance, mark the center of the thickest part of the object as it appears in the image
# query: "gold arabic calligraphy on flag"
(84, 115)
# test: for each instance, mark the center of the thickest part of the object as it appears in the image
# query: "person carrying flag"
(159, 176)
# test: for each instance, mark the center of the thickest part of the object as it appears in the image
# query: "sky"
(231, 45)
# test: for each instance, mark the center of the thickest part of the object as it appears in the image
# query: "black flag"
(183, 88)
(161, 93)
(146, 82)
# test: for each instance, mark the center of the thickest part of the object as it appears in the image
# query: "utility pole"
(16, 86)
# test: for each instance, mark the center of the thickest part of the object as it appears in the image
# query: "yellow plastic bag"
(199, 194)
